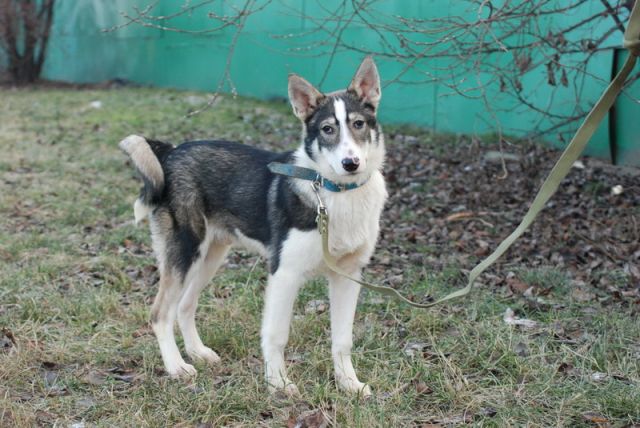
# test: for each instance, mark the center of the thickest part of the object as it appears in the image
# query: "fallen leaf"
(578, 164)
(521, 349)
(254, 363)
(509, 318)
(95, 377)
(393, 393)
(86, 402)
(422, 388)
(411, 349)
(517, 285)
(459, 216)
(316, 307)
(598, 376)
(266, 414)
(7, 340)
(145, 330)
(223, 293)
(195, 389)
(295, 358)
(220, 380)
(52, 385)
(595, 418)
(499, 156)
(567, 369)
(291, 421)
(453, 420)
(309, 419)
(579, 294)
(488, 411)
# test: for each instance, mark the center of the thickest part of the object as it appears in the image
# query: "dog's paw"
(181, 370)
(283, 385)
(291, 390)
(366, 392)
(354, 386)
(205, 354)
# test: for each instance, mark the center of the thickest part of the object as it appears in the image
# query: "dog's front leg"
(281, 292)
(343, 294)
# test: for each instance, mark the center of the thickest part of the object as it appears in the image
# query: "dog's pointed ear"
(366, 83)
(303, 96)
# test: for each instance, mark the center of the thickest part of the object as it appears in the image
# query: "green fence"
(81, 52)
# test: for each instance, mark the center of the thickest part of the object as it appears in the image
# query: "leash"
(549, 187)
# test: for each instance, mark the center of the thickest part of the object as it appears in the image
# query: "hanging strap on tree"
(549, 187)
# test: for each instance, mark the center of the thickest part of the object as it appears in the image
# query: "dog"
(204, 197)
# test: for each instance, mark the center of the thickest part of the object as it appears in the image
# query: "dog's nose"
(350, 164)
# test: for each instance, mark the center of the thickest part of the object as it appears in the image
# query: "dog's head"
(341, 133)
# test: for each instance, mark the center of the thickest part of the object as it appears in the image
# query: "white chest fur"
(354, 216)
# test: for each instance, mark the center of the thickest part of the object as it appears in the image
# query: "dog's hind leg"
(165, 305)
(343, 296)
(198, 277)
(163, 317)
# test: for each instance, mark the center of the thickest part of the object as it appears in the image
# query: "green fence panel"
(625, 144)
(265, 53)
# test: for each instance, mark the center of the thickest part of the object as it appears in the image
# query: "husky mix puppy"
(204, 197)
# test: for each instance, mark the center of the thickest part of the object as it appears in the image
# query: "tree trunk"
(25, 26)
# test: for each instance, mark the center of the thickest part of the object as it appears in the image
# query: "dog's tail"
(147, 156)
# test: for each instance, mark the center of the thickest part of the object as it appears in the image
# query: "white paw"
(354, 386)
(366, 391)
(291, 390)
(181, 370)
(205, 354)
(284, 385)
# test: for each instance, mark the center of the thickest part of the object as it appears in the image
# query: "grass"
(77, 278)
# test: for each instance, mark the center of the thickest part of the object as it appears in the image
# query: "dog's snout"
(350, 164)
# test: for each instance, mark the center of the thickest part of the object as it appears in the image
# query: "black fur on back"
(227, 186)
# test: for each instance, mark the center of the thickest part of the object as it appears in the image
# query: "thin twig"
(226, 76)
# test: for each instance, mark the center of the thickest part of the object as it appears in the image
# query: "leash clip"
(322, 215)
(315, 185)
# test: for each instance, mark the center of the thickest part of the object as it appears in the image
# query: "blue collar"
(311, 175)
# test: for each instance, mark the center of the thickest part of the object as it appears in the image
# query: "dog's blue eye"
(358, 124)
(327, 129)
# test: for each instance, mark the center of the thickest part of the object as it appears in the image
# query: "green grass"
(77, 278)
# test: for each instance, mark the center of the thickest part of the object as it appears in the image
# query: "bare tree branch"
(244, 13)
(496, 52)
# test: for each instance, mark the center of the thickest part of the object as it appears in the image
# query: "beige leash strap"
(549, 187)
